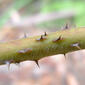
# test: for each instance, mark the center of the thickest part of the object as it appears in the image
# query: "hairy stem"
(35, 48)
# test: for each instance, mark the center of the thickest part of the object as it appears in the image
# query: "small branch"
(35, 48)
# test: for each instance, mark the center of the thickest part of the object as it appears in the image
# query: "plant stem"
(35, 48)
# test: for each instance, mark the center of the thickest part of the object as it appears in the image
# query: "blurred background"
(34, 17)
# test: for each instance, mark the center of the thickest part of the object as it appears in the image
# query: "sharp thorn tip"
(36, 61)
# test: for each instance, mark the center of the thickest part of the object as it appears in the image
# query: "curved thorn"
(76, 45)
(58, 39)
(66, 26)
(25, 50)
(41, 38)
(21, 51)
(45, 34)
(65, 56)
(36, 61)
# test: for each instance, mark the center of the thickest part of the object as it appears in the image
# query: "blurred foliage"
(31, 7)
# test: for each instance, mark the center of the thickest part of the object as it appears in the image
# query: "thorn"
(76, 45)
(65, 56)
(36, 61)
(21, 51)
(45, 34)
(41, 38)
(66, 26)
(59, 38)
(25, 50)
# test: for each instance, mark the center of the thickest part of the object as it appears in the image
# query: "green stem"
(35, 48)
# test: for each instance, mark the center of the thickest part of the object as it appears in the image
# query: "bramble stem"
(35, 48)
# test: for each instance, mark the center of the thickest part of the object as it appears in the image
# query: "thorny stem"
(35, 48)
